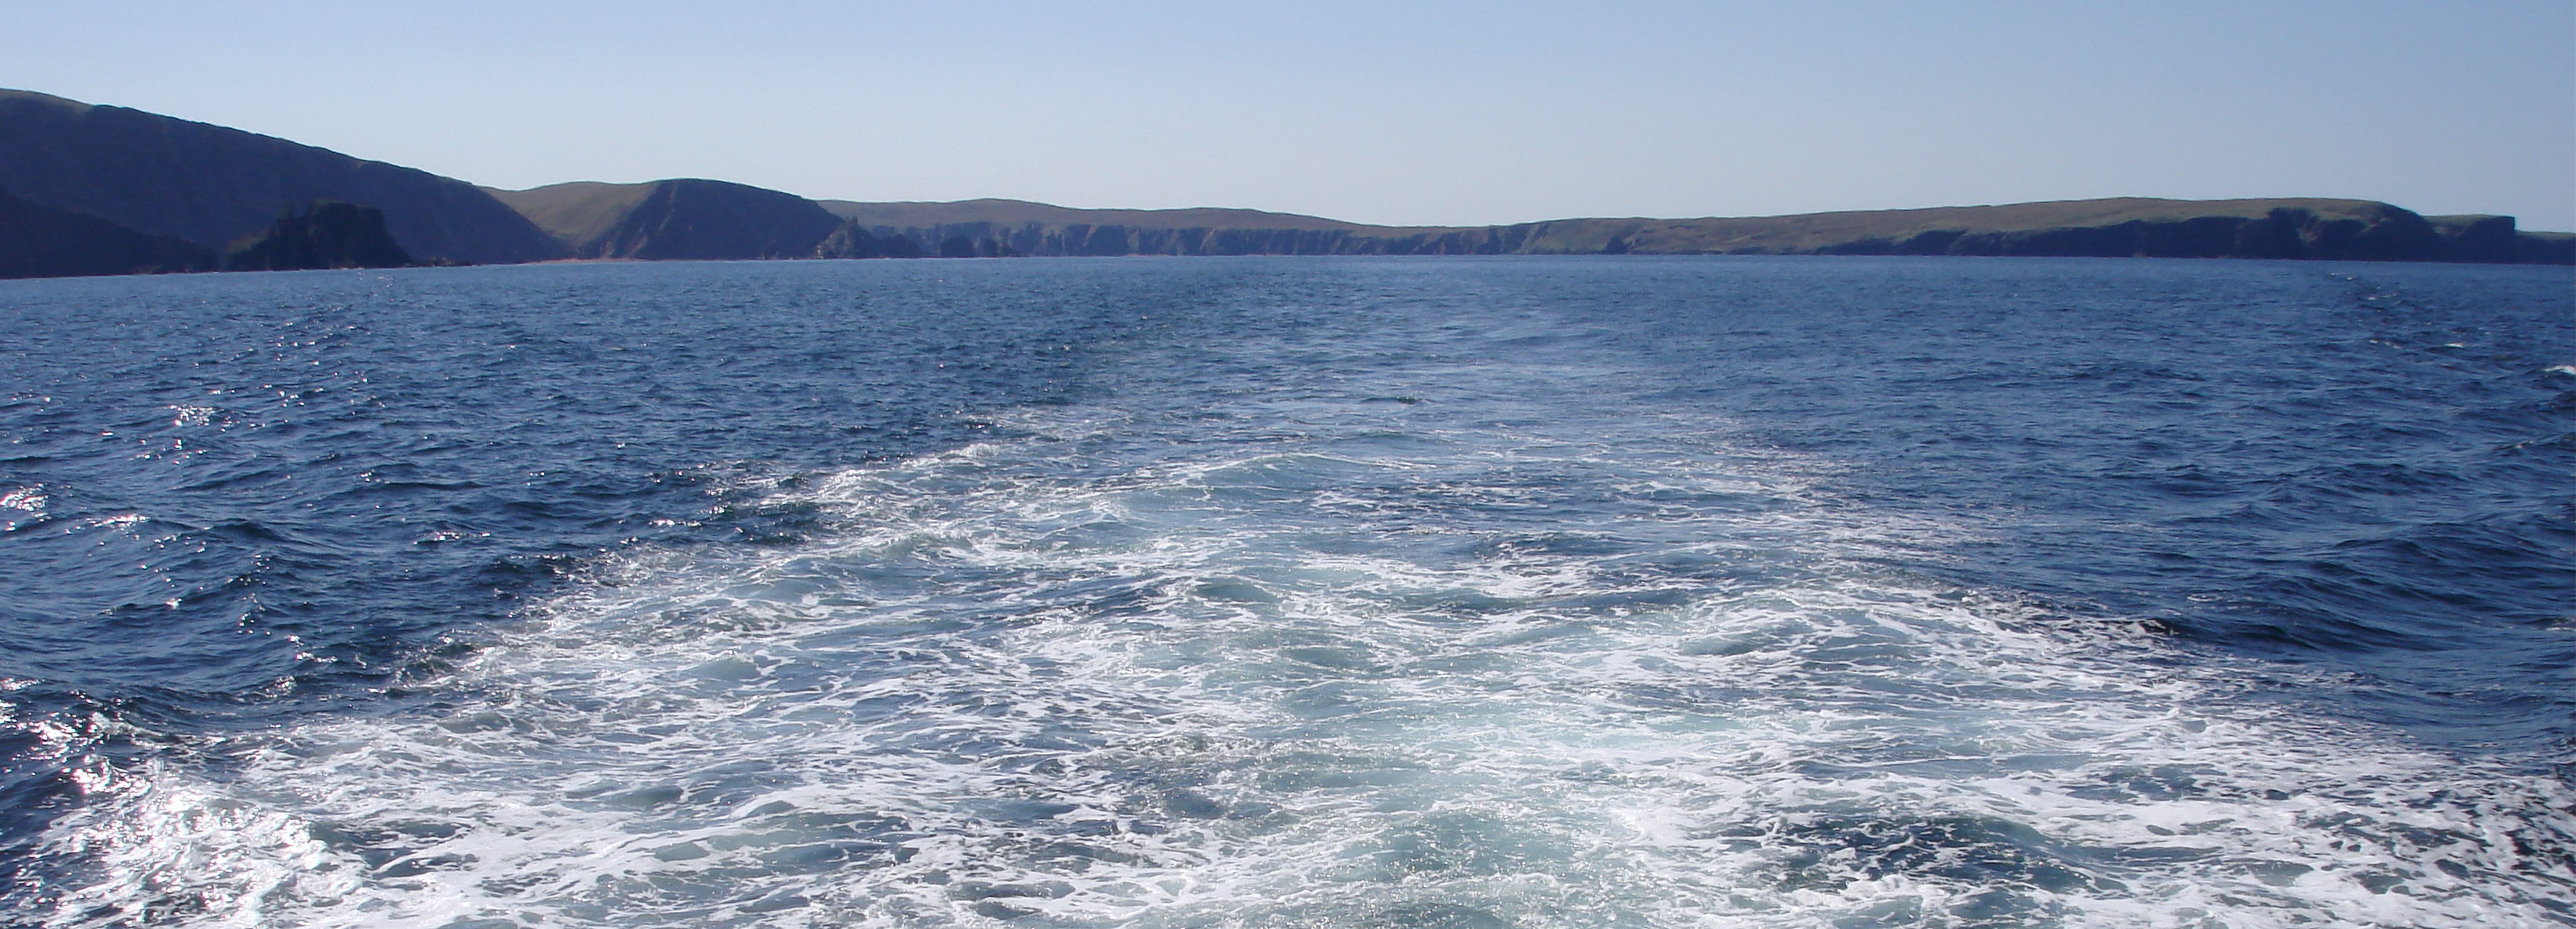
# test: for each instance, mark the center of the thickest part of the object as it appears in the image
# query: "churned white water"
(1388, 661)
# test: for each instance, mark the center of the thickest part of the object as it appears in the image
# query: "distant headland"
(88, 190)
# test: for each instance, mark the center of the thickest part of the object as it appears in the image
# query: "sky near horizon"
(1392, 113)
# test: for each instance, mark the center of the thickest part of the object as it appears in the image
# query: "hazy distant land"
(2123, 227)
(108, 190)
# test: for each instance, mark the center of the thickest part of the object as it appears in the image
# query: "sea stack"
(324, 234)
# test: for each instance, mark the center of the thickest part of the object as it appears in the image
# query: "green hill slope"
(43, 241)
(211, 185)
(674, 219)
(152, 175)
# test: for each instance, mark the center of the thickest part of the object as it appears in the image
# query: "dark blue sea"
(1447, 593)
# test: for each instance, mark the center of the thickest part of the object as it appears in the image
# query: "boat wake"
(1356, 663)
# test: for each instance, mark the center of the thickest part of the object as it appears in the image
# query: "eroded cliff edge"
(2318, 229)
(109, 190)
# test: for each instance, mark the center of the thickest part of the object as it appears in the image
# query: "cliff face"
(1018, 227)
(675, 219)
(325, 234)
(211, 185)
(1017, 213)
(2549, 248)
(974, 239)
(2357, 230)
(851, 240)
(74, 166)
(2352, 230)
(43, 241)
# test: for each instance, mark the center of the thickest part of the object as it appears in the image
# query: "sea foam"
(1353, 665)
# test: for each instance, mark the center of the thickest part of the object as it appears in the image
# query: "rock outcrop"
(212, 185)
(2354, 230)
(324, 234)
(851, 240)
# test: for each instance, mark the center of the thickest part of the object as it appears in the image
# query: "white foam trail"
(1417, 672)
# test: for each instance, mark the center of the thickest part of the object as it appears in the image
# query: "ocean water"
(1444, 594)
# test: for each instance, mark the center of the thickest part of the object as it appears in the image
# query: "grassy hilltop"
(100, 189)
(674, 219)
(211, 185)
(2123, 227)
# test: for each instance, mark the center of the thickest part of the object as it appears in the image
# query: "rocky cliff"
(2354, 230)
(323, 234)
(103, 187)
(2357, 230)
(212, 185)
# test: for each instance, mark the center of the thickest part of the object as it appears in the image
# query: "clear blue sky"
(1450, 113)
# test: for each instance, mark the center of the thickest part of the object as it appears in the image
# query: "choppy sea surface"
(1444, 594)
